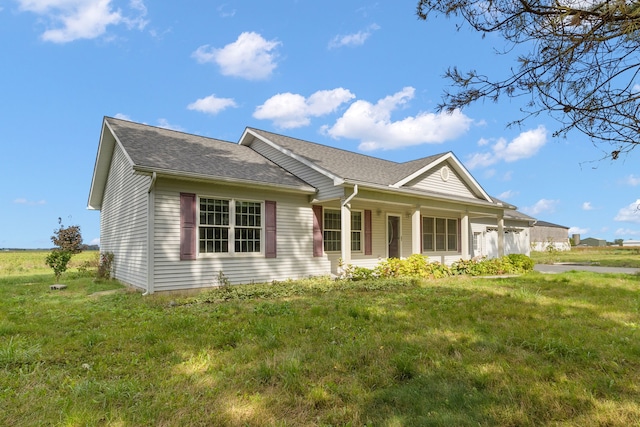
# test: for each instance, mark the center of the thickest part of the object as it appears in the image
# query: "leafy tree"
(68, 241)
(68, 238)
(581, 63)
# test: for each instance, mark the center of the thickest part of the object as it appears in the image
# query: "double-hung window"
(228, 225)
(356, 231)
(331, 234)
(332, 230)
(439, 234)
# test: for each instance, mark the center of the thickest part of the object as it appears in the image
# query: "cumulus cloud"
(630, 213)
(586, 206)
(577, 230)
(291, 110)
(211, 104)
(627, 232)
(123, 117)
(356, 39)
(525, 145)
(250, 57)
(541, 206)
(27, 202)
(372, 124)
(633, 180)
(164, 123)
(507, 195)
(83, 19)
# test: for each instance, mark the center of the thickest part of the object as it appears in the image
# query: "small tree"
(68, 241)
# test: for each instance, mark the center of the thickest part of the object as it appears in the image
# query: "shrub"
(106, 265)
(521, 262)
(58, 260)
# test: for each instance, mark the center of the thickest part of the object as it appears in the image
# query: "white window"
(223, 232)
(439, 234)
(332, 230)
(331, 234)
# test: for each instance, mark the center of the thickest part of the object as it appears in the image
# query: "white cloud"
(224, 13)
(508, 195)
(211, 104)
(586, 206)
(629, 213)
(83, 19)
(356, 39)
(372, 124)
(291, 110)
(633, 180)
(23, 201)
(250, 57)
(577, 230)
(525, 145)
(541, 206)
(164, 123)
(95, 241)
(627, 232)
(123, 117)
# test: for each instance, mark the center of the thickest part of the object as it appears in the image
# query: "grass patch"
(609, 256)
(532, 350)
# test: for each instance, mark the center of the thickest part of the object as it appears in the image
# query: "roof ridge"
(167, 129)
(325, 146)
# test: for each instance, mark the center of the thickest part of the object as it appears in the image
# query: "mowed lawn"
(561, 350)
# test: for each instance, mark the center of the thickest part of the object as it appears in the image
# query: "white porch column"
(500, 236)
(345, 234)
(416, 238)
(464, 236)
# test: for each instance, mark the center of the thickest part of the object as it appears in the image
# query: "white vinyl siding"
(295, 259)
(123, 221)
(432, 181)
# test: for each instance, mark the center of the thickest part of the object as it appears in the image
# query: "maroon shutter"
(317, 231)
(188, 227)
(270, 229)
(459, 236)
(368, 247)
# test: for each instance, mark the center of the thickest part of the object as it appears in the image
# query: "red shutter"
(188, 226)
(317, 231)
(270, 229)
(368, 247)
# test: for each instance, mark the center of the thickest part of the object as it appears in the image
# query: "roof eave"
(168, 173)
(425, 195)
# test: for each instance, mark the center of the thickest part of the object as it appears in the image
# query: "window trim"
(231, 252)
(339, 230)
(446, 234)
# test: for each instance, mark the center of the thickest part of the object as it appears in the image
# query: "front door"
(393, 236)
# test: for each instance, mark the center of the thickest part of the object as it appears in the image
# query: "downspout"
(348, 199)
(150, 233)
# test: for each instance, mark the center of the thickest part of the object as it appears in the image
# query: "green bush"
(509, 264)
(58, 261)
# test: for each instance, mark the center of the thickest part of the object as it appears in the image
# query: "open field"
(528, 351)
(16, 263)
(608, 256)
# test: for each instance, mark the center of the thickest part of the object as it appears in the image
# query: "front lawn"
(533, 350)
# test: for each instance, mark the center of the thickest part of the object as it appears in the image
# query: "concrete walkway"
(561, 268)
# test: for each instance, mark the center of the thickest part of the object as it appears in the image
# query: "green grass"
(610, 256)
(16, 263)
(527, 351)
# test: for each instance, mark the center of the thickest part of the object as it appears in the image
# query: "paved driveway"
(561, 268)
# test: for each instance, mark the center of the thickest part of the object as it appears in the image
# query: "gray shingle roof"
(168, 150)
(347, 164)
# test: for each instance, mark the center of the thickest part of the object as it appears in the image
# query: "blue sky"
(363, 76)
